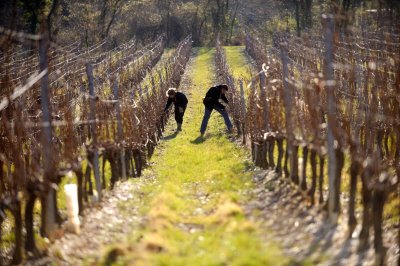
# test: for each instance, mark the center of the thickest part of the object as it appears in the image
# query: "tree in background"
(27, 14)
(224, 13)
(164, 9)
(267, 18)
(108, 13)
(90, 21)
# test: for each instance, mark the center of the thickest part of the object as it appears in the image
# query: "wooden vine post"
(333, 202)
(264, 99)
(243, 104)
(49, 211)
(92, 115)
(119, 126)
(288, 101)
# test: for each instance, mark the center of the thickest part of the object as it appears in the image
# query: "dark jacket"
(179, 100)
(212, 98)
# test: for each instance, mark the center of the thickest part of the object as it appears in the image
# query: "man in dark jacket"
(211, 102)
(180, 102)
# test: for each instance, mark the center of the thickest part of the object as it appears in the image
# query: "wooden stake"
(96, 169)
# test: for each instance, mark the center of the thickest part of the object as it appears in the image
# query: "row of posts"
(48, 164)
(334, 182)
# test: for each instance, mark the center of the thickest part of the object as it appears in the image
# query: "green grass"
(193, 208)
(239, 63)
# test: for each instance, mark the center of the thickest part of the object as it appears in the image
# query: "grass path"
(239, 62)
(193, 206)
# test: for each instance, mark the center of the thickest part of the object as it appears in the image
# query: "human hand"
(180, 109)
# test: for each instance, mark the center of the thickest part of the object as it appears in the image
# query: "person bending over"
(211, 102)
(180, 102)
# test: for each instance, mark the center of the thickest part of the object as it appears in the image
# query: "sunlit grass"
(193, 210)
(239, 62)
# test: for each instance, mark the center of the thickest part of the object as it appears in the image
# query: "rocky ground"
(110, 221)
(304, 232)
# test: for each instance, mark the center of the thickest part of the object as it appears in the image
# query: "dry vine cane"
(60, 111)
(337, 96)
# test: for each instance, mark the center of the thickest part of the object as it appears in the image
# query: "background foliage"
(92, 20)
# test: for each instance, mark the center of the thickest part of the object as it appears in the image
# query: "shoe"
(179, 127)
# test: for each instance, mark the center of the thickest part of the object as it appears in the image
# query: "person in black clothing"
(211, 102)
(180, 102)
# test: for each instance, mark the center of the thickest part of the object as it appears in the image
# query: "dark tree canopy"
(90, 21)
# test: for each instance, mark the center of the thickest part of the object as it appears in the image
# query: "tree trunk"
(379, 142)
(57, 214)
(2, 184)
(271, 146)
(308, 13)
(313, 160)
(50, 16)
(298, 29)
(354, 171)
(79, 175)
(112, 157)
(338, 179)
(49, 213)
(103, 174)
(378, 202)
(286, 160)
(278, 168)
(17, 256)
(138, 162)
(30, 245)
(321, 179)
(366, 215)
(253, 152)
(303, 184)
(150, 149)
(2, 216)
(128, 163)
(42, 215)
(294, 164)
(88, 181)
(262, 155)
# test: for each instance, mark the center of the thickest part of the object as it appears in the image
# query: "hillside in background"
(89, 21)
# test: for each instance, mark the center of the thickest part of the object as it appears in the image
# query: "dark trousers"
(207, 114)
(179, 116)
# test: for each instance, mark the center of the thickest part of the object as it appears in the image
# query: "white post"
(71, 192)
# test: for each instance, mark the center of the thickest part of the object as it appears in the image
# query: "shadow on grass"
(171, 136)
(198, 140)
